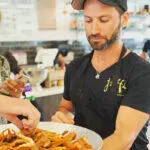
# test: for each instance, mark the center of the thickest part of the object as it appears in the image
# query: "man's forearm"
(64, 109)
(115, 142)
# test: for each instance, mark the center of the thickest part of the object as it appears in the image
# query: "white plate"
(93, 138)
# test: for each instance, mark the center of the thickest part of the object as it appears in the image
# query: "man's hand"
(64, 114)
(63, 117)
(21, 107)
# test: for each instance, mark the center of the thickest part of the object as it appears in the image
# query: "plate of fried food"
(49, 136)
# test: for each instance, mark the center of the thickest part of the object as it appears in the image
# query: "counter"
(47, 91)
(48, 99)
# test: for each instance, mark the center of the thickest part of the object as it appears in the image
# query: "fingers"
(33, 116)
(28, 124)
(16, 84)
(36, 116)
(55, 119)
(20, 82)
(62, 117)
(12, 91)
(26, 109)
(13, 87)
(14, 119)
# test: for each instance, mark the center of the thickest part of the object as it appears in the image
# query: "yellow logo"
(121, 86)
(108, 85)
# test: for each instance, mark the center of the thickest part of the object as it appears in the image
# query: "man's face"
(102, 24)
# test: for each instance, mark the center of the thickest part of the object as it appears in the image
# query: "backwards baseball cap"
(122, 4)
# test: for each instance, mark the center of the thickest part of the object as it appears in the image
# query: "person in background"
(11, 107)
(14, 67)
(17, 71)
(69, 58)
(63, 58)
(59, 60)
(108, 89)
(146, 49)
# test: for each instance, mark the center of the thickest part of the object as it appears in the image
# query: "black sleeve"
(66, 94)
(138, 95)
(146, 46)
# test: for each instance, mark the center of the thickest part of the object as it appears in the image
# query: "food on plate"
(53, 141)
(39, 139)
(11, 140)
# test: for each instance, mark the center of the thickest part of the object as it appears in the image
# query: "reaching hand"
(61, 116)
(21, 107)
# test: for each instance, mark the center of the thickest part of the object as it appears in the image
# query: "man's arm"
(63, 114)
(128, 125)
(65, 105)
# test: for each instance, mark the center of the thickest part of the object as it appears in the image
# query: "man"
(11, 107)
(146, 49)
(108, 88)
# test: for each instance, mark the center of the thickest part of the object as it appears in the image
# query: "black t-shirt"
(96, 102)
(146, 46)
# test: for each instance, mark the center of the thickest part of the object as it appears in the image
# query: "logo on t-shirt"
(108, 85)
(121, 86)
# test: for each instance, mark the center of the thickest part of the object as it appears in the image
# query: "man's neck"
(103, 59)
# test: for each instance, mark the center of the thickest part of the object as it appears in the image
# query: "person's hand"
(62, 117)
(13, 88)
(24, 108)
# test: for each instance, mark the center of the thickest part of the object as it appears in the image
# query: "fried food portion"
(39, 139)
(11, 140)
(46, 140)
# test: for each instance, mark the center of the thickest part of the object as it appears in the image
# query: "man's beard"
(96, 45)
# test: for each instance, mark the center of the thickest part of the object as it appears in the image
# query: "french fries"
(46, 140)
(39, 139)
(11, 140)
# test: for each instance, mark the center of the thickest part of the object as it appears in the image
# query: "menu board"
(18, 17)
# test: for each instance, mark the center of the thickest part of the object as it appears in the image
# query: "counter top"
(47, 91)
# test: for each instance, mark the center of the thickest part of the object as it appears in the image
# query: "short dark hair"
(120, 11)
(14, 67)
